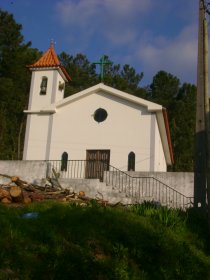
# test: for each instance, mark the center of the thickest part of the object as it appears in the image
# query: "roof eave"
(151, 107)
(60, 68)
(163, 125)
(42, 111)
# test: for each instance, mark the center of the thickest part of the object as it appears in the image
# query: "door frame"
(97, 161)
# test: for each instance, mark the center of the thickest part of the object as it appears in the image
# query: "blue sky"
(150, 35)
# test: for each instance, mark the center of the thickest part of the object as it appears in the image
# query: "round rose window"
(100, 115)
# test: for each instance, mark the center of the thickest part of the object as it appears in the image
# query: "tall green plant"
(14, 85)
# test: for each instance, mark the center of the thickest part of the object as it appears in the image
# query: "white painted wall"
(126, 129)
(160, 161)
(38, 127)
(53, 94)
(36, 138)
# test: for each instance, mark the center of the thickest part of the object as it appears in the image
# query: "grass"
(66, 241)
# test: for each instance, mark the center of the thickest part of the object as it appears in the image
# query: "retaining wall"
(29, 170)
(34, 171)
(182, 182)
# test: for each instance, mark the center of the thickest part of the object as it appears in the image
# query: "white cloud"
(149, 34)
(78, 12)
(111, 20)
(127, 8)
(177, 55)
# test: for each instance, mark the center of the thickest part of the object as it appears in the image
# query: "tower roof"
(50, 59)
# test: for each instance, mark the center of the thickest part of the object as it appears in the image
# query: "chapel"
(99, 123)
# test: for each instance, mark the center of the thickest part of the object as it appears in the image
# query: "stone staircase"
(129, 194)
(93, 188)
(120, 186)
(146, 188)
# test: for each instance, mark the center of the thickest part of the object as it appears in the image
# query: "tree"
(180, 104)
(84, 75)
(184, 128)
(81, 71)
(123, 78)
(14, 85)
(10, 40)
(164, 89)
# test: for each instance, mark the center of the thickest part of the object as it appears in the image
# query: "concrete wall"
(95, 189)
(154, 187)
(29, 171)
(183, 182)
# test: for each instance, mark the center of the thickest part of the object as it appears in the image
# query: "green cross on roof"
(103, 61)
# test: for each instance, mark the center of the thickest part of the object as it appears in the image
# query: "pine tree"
(14, 85)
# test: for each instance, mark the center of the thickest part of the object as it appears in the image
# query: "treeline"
(165, 89)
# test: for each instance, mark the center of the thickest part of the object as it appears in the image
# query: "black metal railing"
(145, 188)
(75, 169)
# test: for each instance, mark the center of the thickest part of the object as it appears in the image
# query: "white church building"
(98, 123)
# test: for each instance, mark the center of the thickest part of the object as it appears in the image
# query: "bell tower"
(47, 87)
(48, 80)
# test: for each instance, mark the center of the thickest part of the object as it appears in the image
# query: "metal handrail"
(146, 188)
(139, 188)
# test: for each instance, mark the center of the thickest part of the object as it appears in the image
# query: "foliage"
(180, 102)
(164, 89)
(81, 70)
(84, 75)
(123, 78)
(14, 85)
(183, 127)
(166, 216)
(66, 241)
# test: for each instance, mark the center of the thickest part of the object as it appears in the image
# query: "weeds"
(166, 216)
(65, 241)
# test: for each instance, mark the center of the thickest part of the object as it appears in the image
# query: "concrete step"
(95, 189)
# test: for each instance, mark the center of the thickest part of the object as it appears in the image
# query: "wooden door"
(97, 163)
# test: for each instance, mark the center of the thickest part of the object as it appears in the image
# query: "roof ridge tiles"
(49, 59)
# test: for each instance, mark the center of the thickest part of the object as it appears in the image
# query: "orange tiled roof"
(50, 59)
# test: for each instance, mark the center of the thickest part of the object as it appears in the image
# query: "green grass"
(67, 241)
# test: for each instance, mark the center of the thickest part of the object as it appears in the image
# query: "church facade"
(98, 124)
